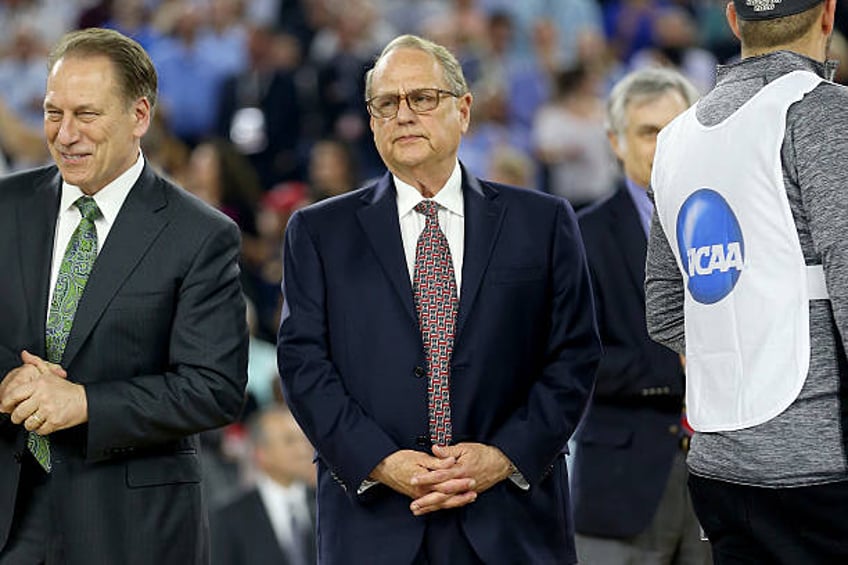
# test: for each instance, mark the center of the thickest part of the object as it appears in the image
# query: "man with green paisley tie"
(123, 331)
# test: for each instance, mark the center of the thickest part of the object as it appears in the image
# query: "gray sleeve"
(663, 291)
(816, 161)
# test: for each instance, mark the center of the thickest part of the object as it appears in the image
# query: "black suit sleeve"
(203, 386)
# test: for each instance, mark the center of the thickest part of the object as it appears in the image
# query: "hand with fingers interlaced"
(38, 396)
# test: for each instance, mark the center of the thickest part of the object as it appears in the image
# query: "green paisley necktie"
(70, 283)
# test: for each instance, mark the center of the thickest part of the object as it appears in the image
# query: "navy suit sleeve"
(539, 429)
(348, 440)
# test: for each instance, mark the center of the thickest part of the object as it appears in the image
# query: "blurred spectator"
(714, 33)
(165, 151)
(49, 18)
(132, 18)
(523, 85)
(95, 14)
(265, 272)
(530, 83)
(260, 107)
(225, 35)
(490, 129)
(629, 25)
(190, 75)
(571, 18)
(342, 53)
(675, 39)
(20, 143)
(839, 52)
(496, 64)
(406, 17)
(273, 522)
(223, 178)
(512, 167)
(23, 74)
(332, 169)
(462, 29)
(571, 140)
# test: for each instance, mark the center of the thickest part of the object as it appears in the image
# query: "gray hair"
(642, 86)
(451, 67)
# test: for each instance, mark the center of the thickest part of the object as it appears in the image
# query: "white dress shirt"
(451, 220)
(285, 505)
(109, 199)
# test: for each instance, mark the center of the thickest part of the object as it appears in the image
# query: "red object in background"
(286, 197)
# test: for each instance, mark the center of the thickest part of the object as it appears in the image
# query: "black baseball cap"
(770, 9)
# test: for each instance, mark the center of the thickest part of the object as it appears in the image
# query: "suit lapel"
(260, 519)
(483, 216)
(630, 236)
(37, 219)
(379, 220)
(136, 227)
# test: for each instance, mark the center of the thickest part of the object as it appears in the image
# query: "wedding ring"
(38, 418)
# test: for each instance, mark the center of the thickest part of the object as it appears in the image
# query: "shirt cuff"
(365, 485)
(517, 478)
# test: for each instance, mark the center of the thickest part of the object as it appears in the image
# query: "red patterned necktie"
(434, 286)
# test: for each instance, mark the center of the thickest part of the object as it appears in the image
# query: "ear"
(616, 144)
(464, 104)
(828, 17)
(732, 21)
(142, 116)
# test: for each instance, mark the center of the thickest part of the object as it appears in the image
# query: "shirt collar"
(289, 495)
(449, 197)
(773, 65)
(643, 203)
(111, 197)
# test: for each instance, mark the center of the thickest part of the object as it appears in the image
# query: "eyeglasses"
(420, 100)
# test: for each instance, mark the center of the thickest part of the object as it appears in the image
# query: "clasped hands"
(39, 395)
(452, 477)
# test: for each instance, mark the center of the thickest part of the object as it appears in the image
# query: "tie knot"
(87, 207)
(428, 208)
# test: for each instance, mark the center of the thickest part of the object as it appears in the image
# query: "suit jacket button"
(419, 372)
(422, 441)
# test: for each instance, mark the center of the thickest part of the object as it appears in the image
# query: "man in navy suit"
(631, 502)
(439, 437)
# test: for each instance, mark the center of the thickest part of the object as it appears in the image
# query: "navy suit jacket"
(352, 363)
(630, 434)
(160, 342)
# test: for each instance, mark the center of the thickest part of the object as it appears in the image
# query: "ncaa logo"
(711, 246)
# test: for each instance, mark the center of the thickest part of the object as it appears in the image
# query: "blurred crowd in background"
(261, 107)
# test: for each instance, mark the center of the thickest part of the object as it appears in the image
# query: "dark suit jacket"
(242, 533)
(630, 435)
(159, 341)
(352, 363)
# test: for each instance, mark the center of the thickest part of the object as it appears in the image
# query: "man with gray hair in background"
(746, 273)
(630, 498)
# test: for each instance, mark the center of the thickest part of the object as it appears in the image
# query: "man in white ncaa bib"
(747, 262)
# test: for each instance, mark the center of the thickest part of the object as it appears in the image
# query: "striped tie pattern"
(434, 288)
(70, 283)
